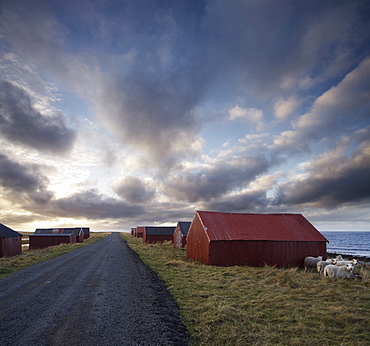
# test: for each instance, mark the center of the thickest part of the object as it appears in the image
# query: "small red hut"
(41, 241)
(10, 242)
(157, 234)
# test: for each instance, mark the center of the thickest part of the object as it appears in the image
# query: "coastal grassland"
(261, 306)
(9, 265)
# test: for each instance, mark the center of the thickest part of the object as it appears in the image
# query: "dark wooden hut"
(227, 239)
(180, 234)
(10, 242)
(41, 241)
(71, 230)
(153, 235)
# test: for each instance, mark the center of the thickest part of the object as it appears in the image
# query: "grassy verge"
(261, 306)
(9, 265)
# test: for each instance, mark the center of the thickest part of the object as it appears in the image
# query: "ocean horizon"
(355, 243)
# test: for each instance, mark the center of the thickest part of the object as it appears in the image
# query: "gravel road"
(100, 294)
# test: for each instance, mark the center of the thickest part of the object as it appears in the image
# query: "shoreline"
(349, 257)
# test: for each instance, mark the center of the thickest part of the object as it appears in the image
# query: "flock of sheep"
(333, 267)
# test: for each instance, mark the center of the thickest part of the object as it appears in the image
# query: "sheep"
(322, 264)
(335, 271)
(343, 263)
(311, 262)
(339, 258)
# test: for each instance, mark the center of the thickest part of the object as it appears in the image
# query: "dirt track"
(100, 294)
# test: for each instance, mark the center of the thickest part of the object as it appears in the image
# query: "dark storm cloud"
(263, 47)
(216, 181)
(251, 201)
(92, 205)
(157, 61)
(23, 182)
(253, 49)
(331, 187)
(22, 123)
(135, 190)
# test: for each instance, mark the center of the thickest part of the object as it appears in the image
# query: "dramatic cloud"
(215, 181)
(135, 190)
(93, 205)
(21, 123)
(144, 111)
(340, 110)
(253, 201)
(254, 42)
(23, 182)
(333, 180)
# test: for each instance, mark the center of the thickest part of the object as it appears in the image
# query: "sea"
(348, 243)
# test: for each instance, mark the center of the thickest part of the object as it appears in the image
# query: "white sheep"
(311, 262)
(335, 271)
(343, 263)
(322, 264)
(339, 258)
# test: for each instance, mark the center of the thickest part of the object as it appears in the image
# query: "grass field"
(9, 265)
(261, 306)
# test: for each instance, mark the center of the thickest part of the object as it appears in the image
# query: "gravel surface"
(100, 294)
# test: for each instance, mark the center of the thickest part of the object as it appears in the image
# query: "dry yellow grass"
(261, 306)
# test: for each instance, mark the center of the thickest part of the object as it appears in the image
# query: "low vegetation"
(261, 306)
(9, 265)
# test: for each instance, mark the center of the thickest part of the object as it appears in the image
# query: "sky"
(117, 114)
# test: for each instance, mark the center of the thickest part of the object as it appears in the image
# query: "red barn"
(157, 234)
(227, 239)
(180, 233)
(10, 241)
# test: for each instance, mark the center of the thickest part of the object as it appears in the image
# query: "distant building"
(180, 234)
(86, 231)
(10, 242)
(80, 236)
(227, 239)
(45, 237)
(139, 232)
(42, 241)
(46, 231)
(157, 234)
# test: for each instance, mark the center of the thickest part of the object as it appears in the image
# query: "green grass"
(9, 265)
(261, 306)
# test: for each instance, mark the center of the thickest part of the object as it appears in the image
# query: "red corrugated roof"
(273, 227)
